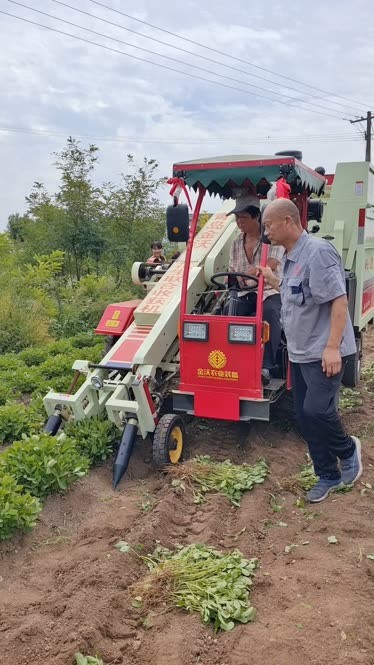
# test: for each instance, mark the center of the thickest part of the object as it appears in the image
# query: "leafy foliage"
(17, 419)
(43, 464)
(302, 481)
(71, 253)
(229, 479)
(94, 438)
(367, 376)
(199, 579)
(349, 399)
(18, 510)
(87, 660)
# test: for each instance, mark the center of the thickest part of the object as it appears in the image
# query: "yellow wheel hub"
(176, 439)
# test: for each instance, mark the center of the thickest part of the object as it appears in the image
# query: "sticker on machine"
(217, 360)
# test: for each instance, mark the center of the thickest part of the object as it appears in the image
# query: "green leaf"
(80, 659)
(370, 557)
(122, 546)
(137, 602)
(332, 540)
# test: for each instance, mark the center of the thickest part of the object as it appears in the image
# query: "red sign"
(117, 318)
(368, 296)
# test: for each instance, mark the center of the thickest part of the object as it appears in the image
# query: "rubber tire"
(161, 440)
(352, 372)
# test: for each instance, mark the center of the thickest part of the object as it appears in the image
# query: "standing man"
(320, 337)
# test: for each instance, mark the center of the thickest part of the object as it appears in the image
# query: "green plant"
(25, 379)
(10, 361)
(304, 480)
(94, 438)
(199, 579)
(17, 419)
(349, 399)
(18, 510)
(367, 375)
(43, 464)
(34, 355)
(84, 340)
(87, 660)
(7, 394)
(229, 479)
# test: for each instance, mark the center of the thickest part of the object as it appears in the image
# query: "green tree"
(133, 216)
(80, 201)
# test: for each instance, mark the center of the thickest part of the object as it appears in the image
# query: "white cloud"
(53, 83)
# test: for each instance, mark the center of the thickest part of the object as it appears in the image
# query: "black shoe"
(265, 373)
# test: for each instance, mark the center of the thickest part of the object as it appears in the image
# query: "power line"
(311, 138)
(171, 69)
(227, 55)
(179, 62)
(368, 133)
(197, 55)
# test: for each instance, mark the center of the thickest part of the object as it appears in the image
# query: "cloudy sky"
(53, 86)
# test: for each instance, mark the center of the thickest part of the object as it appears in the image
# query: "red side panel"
(117, 317)
(124, 355)
(219, 405)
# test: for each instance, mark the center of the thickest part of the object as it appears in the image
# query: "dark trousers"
(246, 306)
(316, 405)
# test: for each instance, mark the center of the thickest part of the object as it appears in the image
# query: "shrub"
(10, 361)
(44, 464)
(57, 365)
(23, 322)
(7, 394)
(17, 419)
(34, 355)
(24, 380)
(94, 438)
(87, 339)
(18, 510)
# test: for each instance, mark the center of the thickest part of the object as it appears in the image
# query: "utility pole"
(369, 117)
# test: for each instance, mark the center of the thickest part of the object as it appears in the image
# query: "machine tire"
(352, 372)
(168, 441)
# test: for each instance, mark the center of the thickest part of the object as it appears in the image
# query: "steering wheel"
(213, 279)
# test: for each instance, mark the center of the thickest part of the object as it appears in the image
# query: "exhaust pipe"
(125, 451)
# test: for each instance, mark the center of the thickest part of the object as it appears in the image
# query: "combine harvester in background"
(176, 343)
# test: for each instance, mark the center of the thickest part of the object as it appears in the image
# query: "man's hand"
(269, 276)
(331, 361)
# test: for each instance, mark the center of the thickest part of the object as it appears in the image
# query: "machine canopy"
(221, 175)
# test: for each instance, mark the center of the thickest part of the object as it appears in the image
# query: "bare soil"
(64, 587)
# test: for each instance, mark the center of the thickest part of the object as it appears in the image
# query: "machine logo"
(217, 359)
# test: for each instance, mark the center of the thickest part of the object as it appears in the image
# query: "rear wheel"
(352, 372)
(168, 441)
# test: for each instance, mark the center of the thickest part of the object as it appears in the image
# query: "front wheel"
(168, 441)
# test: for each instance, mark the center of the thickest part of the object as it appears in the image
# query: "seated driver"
(245, 255)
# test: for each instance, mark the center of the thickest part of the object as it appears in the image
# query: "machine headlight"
(97, 382)
(239, 334)
(196, 331)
